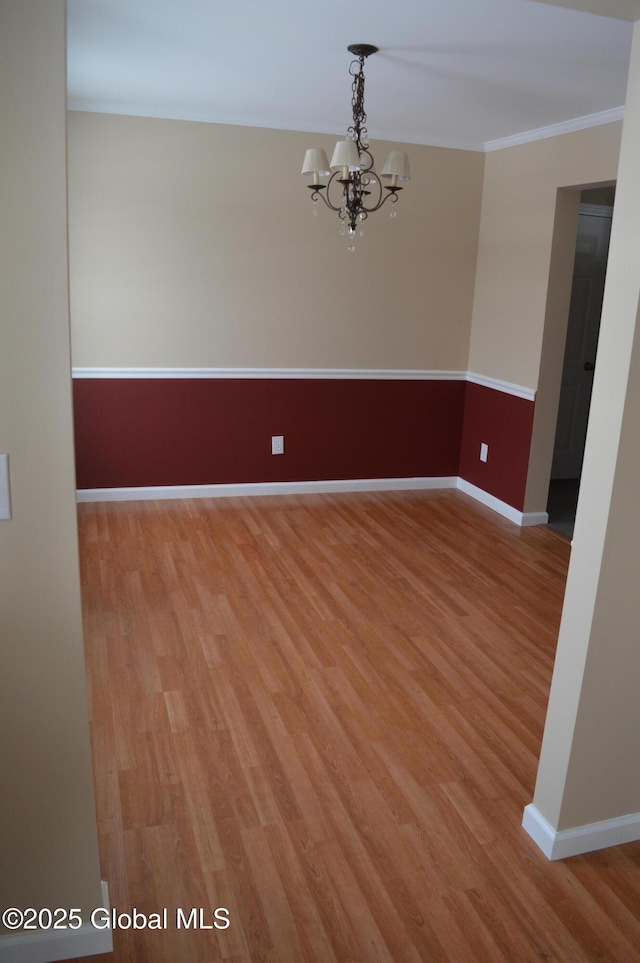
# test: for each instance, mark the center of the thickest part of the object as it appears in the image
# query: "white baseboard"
(262, 488)
(46, 946)
(580, 839)
(534, 518)
(520, 518)
(311, 487)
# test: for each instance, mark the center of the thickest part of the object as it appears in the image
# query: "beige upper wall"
(48, 840)
(516, 233)
(193, 245)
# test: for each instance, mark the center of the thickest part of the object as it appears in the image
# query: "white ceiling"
(462, 73)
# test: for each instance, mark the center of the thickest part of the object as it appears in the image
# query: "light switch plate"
(5, 495)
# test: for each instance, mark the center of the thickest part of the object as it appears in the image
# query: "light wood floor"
(324, 713)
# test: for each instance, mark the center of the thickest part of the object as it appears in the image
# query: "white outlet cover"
(277, 444)
(484, 452)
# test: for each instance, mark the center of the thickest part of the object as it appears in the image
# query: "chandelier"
(354, 189)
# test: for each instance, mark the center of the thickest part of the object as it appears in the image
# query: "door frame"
(586, 210)
(565, 229)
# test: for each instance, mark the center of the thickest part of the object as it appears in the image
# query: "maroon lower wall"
(504, 423)
(137, 432)
(174, 431)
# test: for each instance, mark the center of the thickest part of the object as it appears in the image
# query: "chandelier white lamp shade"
(397, 167)
(345, 158)
(316, 163)
(354, 189)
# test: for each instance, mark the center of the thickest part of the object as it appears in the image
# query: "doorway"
(590, 265)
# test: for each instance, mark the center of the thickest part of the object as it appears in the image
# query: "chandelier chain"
(358, 130)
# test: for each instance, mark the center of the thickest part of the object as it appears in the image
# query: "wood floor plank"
(323, 714)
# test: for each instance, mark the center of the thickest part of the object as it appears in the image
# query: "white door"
(592, 248)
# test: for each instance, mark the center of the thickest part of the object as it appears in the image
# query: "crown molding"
(555, 130)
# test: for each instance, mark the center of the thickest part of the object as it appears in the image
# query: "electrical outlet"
(277, 444)
(484, 452)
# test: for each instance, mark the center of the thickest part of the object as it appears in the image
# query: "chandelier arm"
(391, 192)
(316, 192)
(318, 189)
(368, 184)
(366, 159)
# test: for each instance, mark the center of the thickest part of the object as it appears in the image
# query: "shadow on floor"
(561, 506)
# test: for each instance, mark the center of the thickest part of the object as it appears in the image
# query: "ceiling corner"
(618, 9)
